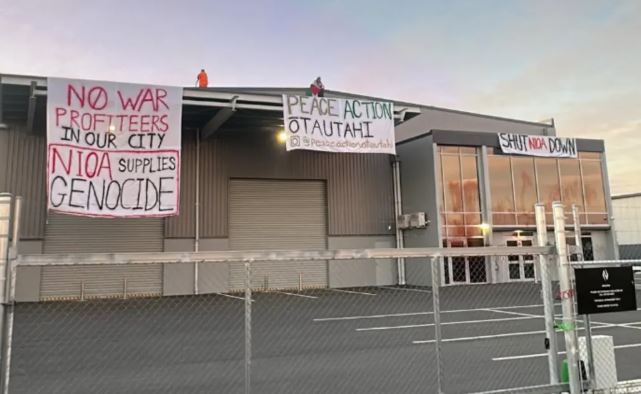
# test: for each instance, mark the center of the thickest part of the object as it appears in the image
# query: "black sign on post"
(603, 290)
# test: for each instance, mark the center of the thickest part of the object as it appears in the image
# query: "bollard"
(548, 298)
(248, 330)
(567, 302)
(5, 230)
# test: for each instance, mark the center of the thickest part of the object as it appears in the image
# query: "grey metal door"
(276, 215)
(65, 234)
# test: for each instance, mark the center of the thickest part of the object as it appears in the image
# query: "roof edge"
(626, 195)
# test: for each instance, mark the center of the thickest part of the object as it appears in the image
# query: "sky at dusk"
(576, 61)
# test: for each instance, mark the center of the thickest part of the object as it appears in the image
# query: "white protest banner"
(339, 125)
(537, 145)
(113, 149)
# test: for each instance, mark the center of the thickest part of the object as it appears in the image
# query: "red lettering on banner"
(93, 163)
(60, 112)
(73, 119)
(144, 96)
(81, 97)
(96, 97)
(566, 294)
(536, 143)
(55, 154)
(160, 95)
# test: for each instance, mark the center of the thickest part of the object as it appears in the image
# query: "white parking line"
(515, 313)
(352, 292)
(493, 336)
(420, 313)
(294, 294)
(632, 345)
(445, 324)
(628, 325)
(462, 339)
(231, 296)
(406, 289)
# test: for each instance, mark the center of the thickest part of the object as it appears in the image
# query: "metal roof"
(252, 108)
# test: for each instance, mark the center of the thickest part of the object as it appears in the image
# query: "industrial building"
(240, 190)
(626, 211)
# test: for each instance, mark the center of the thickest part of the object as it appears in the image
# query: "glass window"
(451, 183)
(571, 188)
(468, 150)
(548, 180)
(448, 149)
(501, 190)
(593, 192)
(524, 189)
(590, 155)
(461, 206)
(471, 199)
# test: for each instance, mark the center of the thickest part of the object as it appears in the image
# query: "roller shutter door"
(273, 215)
(67, 234)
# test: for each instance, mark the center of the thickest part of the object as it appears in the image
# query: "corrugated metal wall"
(76, 234)
(22, 172)
(103, 281)
(359, 187)
(273, 215)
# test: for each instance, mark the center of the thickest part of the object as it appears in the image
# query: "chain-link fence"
(492, 334)
(362, 339)
(475, 319)
(129, 345)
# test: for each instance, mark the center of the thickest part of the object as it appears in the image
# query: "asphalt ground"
(370, 340)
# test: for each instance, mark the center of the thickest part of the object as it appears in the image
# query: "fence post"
(548, 298)
(567, 298)
(9, 224)
(586, 318)
(436, 303)
(5, 229)
(248, 330)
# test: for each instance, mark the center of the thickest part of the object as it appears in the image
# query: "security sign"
(603, 290)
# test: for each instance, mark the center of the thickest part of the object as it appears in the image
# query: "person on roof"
(317, 88)
(201, 79)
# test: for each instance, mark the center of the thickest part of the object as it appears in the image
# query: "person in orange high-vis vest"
(201, 79)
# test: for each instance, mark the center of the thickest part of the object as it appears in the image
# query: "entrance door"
(464, 270)
(520, 267)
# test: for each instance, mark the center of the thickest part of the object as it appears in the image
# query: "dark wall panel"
(22, 172)
(359, 187)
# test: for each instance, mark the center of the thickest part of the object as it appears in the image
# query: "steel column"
(248, 330)
(398, 210)
(6, 315)
(567, 298)
(197, 212)
(436, 303)
(546, 290)
(586, 319)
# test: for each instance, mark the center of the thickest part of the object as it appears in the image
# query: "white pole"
(197, 212)
(546, 289)
(5, 231)
(436, 304)
(586, 318)
(567, 298)
(248, 324)
(398, 210)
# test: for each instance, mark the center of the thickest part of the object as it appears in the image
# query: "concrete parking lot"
(360, 340)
